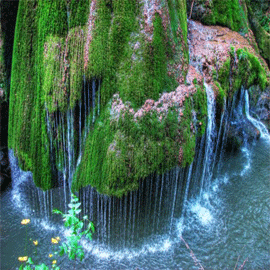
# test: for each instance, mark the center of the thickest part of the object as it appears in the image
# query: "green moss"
(224, 75)
(141, 73)
(227, 13)
(78, 12)
(200, 107)
(54, 86)
(262, 36)
(119, 153)
(44, 54)
(27, 130)
(98, 51)
(114, 24)
(48, 71)
(179, 23)
(76, 41)
(247, 72)
(221, 94)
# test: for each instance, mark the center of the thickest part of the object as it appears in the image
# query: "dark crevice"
(8, 14)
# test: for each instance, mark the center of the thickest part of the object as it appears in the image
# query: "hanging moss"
(27, 130)
(40, 76)
(55, 85)
(76, 42)
(48, 71)
(178, 23)
(78, 12)
(200, 108)
(118, 153)
(98, 51)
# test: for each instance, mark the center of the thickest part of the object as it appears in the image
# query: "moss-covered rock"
(62, 46)
(262, 36)
(242, 68)
(123, 149)
(229, 13)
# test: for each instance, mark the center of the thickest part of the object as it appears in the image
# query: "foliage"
(71, 247)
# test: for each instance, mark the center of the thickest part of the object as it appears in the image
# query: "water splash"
(203, 214)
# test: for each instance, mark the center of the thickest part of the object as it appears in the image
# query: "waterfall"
(259, 125)
(70, 145)
(153, 210)
(162, 200)
(210, 139)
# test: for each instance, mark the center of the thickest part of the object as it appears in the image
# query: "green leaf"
(71, 212)
(56, 211)
(21, 267)
(81, 255)
(62, 251)
(30, 261)
(85, 217)
(89, 236)
(80, 225)
(41, 267)
(64, 245)
(91, 226)
(72, 255)
(74, 197)
(77, 205)
(70, 205)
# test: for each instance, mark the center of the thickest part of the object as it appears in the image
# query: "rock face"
(5, 178)
(240, 133)
(263, 108)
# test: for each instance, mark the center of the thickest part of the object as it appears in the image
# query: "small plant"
(71, 247)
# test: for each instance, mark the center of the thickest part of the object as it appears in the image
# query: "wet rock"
(5, 177)
(263, 109)
(239, 133)
(1, 155)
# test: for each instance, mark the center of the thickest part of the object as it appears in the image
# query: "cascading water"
(259, 125)
(208, 163)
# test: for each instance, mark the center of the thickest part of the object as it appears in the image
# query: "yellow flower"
(50, 255)
(54, 241)
(35, 242)
(25, 221)
(23, 259)
(57, 238)
(54, 261)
